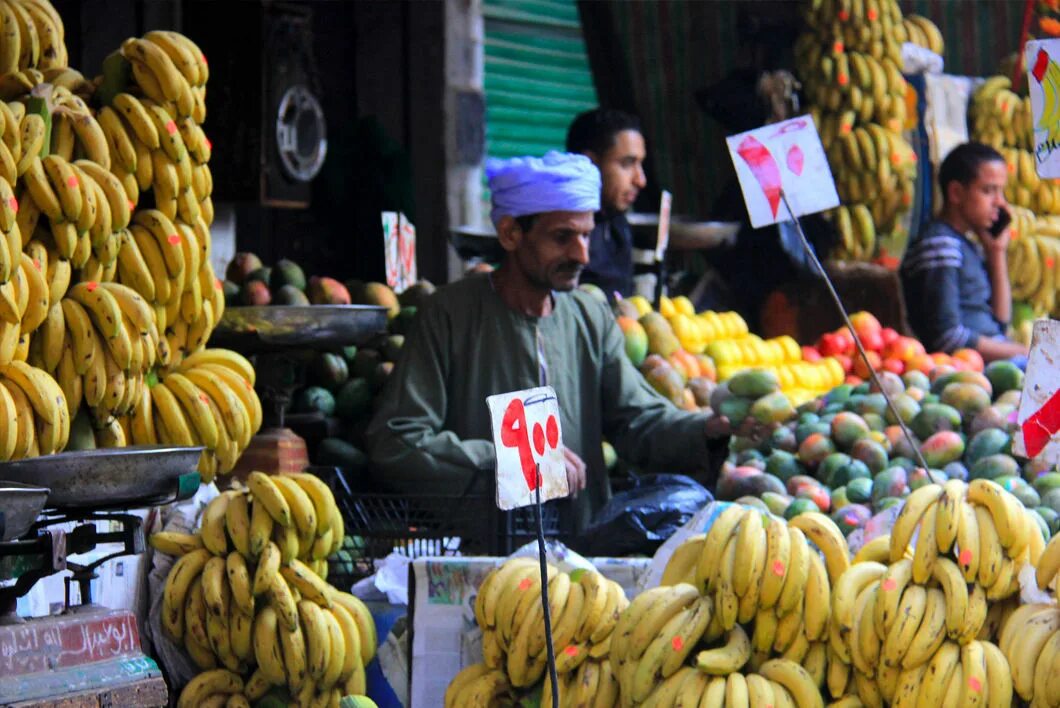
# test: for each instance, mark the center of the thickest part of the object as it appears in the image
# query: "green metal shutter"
(537, 75)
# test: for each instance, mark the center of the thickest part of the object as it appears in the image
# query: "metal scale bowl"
(51, 506)
(283, 339)
(84, 487)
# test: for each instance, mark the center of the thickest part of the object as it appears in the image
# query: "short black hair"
(963, 162)
(595, 130)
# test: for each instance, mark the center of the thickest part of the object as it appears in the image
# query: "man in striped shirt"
(955, 272)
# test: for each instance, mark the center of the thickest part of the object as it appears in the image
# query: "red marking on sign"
(92, 286)
(965, 558)
(974, 684)
(13, 203)
(514, 434)
(552, 431)
(571, 650)
(524, 584)
(890, 584)
(842, 79)
(1041, 63)
(677, 643)
(838, 47)
(171, 127)
(796, 160)
(844, 15)
(763, 167)
(1040, 427)
(778, 568)
(173, 239)
(872, 14)
(71, 181)
(539, 439)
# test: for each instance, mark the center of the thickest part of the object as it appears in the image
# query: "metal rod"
(857, 340)
(544, 593)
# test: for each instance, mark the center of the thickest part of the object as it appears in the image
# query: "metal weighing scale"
(88, 654)
(283, 339)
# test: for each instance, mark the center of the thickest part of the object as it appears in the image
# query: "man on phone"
(955, 272)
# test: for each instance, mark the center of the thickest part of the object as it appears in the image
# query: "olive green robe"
(432, 432)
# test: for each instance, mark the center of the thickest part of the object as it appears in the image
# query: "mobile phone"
(1004, 218)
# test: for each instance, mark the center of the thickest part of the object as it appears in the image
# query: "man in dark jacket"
(955, 272)
(613, 141)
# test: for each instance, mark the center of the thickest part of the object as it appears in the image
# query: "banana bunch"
(170, 70)
(584, 609)
(33, 37)
(849, 63)
(1024, 187)
(593, 685)
(1030, 641)
(846, 86)
(924, 33)
(778, 683)
(208, 400)
(240, 596)
(39, 422)
(98, 342)
(981, 527)
(1000, 117)
(480, 686)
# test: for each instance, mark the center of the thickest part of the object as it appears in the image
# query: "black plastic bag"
(638, 520)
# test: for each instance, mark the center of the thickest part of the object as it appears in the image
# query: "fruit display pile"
(341, 385)
(849, 61)
(584, 607)
(886, 350)
(107, 295)
(846, 455)
(249, 601)
(759, 611)
(682, 353)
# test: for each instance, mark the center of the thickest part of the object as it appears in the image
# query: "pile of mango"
(845, 455)
(683, 354)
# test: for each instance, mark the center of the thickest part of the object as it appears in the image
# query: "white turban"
(558, 181)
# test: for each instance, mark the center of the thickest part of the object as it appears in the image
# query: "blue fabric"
(610, 255)
(947, 290)
(559, 181)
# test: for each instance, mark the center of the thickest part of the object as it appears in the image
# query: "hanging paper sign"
(1039, 412)
(1043, 84)
(782, 157)
(527, 436)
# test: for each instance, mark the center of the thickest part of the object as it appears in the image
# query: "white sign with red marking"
(527, 435)
(783, 157)
(1039, 412)
(399, 250)
(1041, 58)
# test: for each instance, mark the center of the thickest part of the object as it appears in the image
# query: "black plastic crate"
(379, 524)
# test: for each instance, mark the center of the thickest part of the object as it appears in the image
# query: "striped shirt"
(947, 290)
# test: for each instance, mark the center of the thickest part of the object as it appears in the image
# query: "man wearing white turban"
(525, 325)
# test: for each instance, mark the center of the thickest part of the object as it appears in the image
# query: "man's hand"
(575, 471)
(718, 426)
